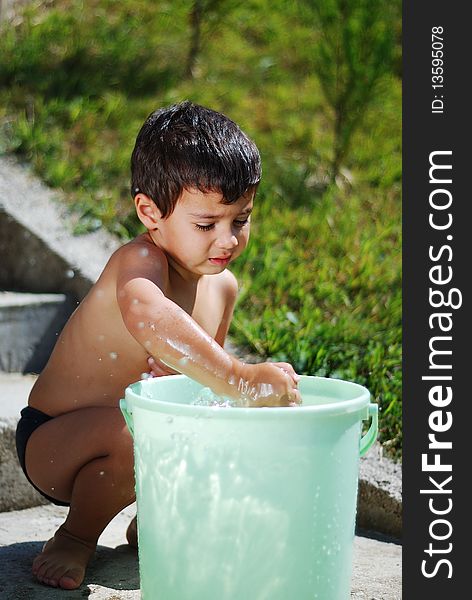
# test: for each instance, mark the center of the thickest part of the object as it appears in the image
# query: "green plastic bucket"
(255, 503)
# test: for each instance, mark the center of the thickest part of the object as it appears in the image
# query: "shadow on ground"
(112, 568)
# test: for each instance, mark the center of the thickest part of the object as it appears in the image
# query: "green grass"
(321, 279)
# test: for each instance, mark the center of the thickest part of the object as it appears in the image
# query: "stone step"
(15, 490)
(29, 325)
(379, 504)
(39, 251)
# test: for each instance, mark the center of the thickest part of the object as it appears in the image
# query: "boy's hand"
(269, 384)
(287, 367)
(157, 368)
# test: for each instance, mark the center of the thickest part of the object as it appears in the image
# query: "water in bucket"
(254, 503)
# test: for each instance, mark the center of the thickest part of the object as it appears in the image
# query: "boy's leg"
(86, 458)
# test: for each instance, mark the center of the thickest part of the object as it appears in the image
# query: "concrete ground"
(113, 574)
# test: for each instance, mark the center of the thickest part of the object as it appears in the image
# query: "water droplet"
(70, 273)
(144, 252)
(145, 375)
(53, 488)
(101, 337)
(141, 325)
(102, 472)
(52, 461)
(100, 293)
(99, 360)
(135, 301)
(147, 343)
(113, 355)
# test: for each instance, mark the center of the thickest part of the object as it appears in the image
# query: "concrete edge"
(57, 260)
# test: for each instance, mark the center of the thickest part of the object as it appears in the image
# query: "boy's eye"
(204, 227)
(239, 223)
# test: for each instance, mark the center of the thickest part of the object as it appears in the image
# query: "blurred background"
(316, 84)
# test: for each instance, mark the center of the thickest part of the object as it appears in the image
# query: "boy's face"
(203, 235)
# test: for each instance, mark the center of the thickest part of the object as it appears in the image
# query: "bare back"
(96, 357)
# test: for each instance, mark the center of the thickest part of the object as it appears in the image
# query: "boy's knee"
(123, 447)
(118, 442)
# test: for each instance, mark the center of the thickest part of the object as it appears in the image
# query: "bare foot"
(63, 560)
(132, 533)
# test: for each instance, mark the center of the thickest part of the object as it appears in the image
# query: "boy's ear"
(147, 211)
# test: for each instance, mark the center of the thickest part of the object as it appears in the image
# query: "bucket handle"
(128, 415)
(369, 438)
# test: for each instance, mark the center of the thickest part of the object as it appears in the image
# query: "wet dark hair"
(188, 146)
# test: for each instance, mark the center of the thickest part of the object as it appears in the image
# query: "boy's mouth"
(220, 260)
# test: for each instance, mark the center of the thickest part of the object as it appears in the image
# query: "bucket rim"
(359, 403)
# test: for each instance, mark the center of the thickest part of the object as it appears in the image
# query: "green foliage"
(321, 279)
(204, 18)
(73, 51)
(354, 52)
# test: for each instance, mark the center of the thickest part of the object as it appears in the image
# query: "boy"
(165, 297)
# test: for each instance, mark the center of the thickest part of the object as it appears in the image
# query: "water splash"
(207, 397)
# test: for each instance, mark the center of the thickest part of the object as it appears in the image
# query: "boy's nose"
(227, 242)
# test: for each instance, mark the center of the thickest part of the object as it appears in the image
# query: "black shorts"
(31, 419)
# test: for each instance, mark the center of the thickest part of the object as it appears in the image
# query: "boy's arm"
(168, 333)
(228, 292)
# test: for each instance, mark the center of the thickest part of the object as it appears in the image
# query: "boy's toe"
(37, 564)
(71, 580)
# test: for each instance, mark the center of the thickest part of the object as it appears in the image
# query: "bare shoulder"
(140, 258)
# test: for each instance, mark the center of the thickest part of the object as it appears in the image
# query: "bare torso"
(96, 357)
